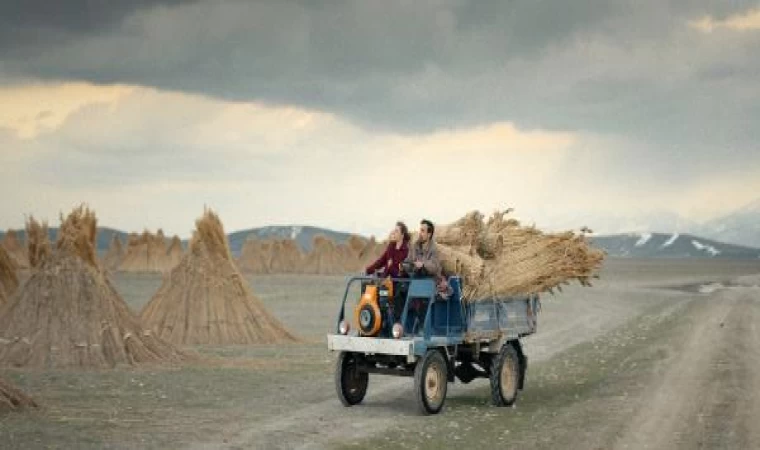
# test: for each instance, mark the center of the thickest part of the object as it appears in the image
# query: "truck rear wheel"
(505, 373)
(430, 382)
(350, 383)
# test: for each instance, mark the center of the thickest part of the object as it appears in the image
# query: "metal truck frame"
(455, 340)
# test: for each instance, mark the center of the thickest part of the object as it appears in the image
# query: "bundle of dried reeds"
(324, 257)
(286, 257)
(12, 398)
(371, 251)
(205, 299)
(256, 256)
(115, 253)
(38, 241)
(15, 249)
(8, 278)
(69, 315)
(147, 253)
(174, 254)
(499, 257)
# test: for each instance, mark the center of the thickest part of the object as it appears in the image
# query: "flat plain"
(658, 354)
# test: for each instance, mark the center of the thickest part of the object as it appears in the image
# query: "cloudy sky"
(351, 114)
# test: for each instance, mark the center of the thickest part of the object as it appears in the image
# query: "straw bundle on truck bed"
(500, 257)
(205, 299)
(12, 398)
(69, 315)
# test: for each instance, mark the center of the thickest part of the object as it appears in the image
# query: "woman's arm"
(381, 261)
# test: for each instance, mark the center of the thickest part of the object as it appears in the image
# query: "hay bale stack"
(371, 251)
(16, 250)
(349, 257)
(12, 398)
(174, 254)
(146, 253)
(500, 257)
(205, 299)
(8, 278)
(324, 258)
(69, 315)
(256, 256)
(115, 254)
(286, 257)
(356, 244)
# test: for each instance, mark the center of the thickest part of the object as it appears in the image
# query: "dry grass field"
(641, 359)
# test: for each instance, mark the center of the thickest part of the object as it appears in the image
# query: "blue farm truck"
(403, 327)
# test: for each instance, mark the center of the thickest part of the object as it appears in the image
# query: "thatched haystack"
(500, 257)
(16, 250)
(286, 257)
(205, 299)
(349, 257)
(147, 253)
(8, 278)
(69, 315)
(256, 256)
(324, 258)
(38, 240)
(115, 254)
(12, 398)
(371, 251)
(174, 254)
(356, 243)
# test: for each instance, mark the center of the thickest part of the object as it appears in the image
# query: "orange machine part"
(369, 298)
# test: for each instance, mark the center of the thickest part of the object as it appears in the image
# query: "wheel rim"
(508, 381)
(365, 317)
(433, 384)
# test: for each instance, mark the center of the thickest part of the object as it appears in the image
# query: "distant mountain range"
(740, 227)
(303, 235)
(660, 245)
(646, 245)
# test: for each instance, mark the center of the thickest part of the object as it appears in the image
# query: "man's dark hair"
(429, 225)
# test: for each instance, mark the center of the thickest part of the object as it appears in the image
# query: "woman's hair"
(406, 237)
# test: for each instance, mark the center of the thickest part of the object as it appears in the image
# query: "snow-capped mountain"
(740, 227)
(674, 245)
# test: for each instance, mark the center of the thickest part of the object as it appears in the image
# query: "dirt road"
(707, 394)
(614, 367)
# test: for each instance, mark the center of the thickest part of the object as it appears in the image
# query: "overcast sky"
(352, 114)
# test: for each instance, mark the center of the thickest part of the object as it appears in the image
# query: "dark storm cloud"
(624, 68)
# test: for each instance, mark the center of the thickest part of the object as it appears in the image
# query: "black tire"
(350, 383)
(430, 382)
(505, 376)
